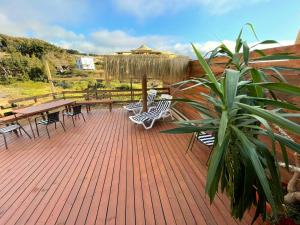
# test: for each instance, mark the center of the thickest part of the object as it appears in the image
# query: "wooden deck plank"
(104, 201)
(121, 206)
(148, 205)
(188, 175)
(83, 213)
(164, 200)
(107, 171)
(48, 203)
(138, 192)
(130, 207)
(28, 186)
(77, 194)
(157, 206)
(195, 172)
(42, 188)
(192, 204)
(97, 197)
(113, 202)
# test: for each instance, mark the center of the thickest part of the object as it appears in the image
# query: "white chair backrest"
(151, 95)
(152, 92)
(166, 96)
(164, 104)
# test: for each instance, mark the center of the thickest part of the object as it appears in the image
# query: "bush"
(100, 85)
(37, 74)
(123, 87)
(64, 84)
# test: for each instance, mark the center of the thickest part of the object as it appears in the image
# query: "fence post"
(87, 94)
(63, 93)
(96, 92)
(131, 91)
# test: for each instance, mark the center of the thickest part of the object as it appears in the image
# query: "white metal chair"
(136, 107)
(160, 111)
(204, 138)
(12, 128)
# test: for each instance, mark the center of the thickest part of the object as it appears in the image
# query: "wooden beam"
(144, 92)
(49, 77)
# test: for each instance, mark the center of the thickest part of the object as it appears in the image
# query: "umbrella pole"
(144, 92)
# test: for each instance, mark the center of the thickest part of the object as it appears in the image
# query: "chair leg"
(21, 128)
(211, 149)
(191, 143)
(55, 125)
(83, 117)
(63, 125)
(73, 121)
(16, 133)
(150, 126)
(47, 131)
(37, 129)
(63, 118)
(5, 142)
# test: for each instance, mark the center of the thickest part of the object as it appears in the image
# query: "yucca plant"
(242, 108)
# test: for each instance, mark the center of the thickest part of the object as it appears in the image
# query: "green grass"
(30, 88)
(23, 89)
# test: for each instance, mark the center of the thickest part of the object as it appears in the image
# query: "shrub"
(123, 87)
(64, 84)
(37, 74)
(242, 107)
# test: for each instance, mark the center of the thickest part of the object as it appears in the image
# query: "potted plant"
(243, 107)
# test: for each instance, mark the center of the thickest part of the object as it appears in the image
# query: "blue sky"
(108, 26)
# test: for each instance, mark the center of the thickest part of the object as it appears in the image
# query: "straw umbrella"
(142, 66)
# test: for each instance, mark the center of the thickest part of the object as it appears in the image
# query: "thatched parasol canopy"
(134, 66)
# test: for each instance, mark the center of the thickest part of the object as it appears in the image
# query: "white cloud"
(45, 11)
(41, 19)
(145, 8)
(107, 41)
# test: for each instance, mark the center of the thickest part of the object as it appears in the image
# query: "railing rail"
(118, 96)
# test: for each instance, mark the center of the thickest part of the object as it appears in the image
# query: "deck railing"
(119, 96)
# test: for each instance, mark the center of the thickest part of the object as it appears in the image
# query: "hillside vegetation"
(21, 59)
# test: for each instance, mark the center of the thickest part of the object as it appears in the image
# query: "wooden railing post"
(88, 94)
(131, 91)
(144, 92)
(96, 92)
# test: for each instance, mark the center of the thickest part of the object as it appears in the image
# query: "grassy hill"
(22, 59)
(23, 73)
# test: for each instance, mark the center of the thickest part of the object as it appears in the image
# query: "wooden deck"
(106, 171)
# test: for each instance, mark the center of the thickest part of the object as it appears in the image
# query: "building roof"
(143, 49)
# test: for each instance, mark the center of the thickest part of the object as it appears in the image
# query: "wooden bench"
(88, 103)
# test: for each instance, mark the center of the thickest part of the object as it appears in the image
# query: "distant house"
(85, 63)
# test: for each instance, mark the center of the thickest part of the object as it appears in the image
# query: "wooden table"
(88, 103)
(27, 112)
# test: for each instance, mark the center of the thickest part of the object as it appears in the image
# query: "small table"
(27, 112)
(88, 103)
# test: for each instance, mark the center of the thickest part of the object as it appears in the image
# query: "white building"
(85, 63)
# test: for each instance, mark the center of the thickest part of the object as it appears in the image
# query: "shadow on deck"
(107, 171)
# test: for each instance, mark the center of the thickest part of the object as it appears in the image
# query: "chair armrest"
(151, 107)
(165, 113)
